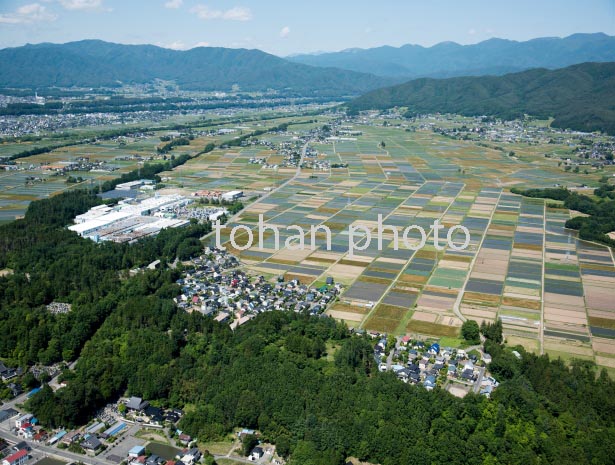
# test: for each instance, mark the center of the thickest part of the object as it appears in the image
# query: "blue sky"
(287, 27)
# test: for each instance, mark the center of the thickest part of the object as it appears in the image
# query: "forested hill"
(579, 97)
(94, 63)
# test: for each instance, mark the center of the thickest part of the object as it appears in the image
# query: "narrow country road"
(264, 197)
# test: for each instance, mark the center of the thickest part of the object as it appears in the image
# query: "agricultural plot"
(552, 292)
(34, 181)
(521, 265)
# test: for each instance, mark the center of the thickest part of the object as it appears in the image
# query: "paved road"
(391, 353)
(457, 304)
(264, 197)
(40, 451)
(20, 399)
(479, 380)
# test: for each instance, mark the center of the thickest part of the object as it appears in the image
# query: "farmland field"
(551, 290)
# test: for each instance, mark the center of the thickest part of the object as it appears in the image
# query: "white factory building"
(127, 186)
(130, 220)
(232, 195)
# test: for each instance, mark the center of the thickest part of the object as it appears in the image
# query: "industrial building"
(232, 195)
(130, 220)
(127, 186)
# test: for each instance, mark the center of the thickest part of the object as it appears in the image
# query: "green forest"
(578, 97)
(306, 383)
(51, 263)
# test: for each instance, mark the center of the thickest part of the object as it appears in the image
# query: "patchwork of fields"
(32, 182)
(552, 291)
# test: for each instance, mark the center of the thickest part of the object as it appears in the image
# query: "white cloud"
(180, 45)
(284, 32)
(174, 4)
(82, 5)
(238, 13)
(177, 45)
(472, 32)
(31, 13)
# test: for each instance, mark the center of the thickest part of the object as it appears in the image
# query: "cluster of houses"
(96, 436)
(258, 161)
(25, 425)
(417, 362)
(93, 437)
(602, 151)
(312, 162)
(214, 286)
(599, 149)
(78, 164)
(291, 151)
(20, 125)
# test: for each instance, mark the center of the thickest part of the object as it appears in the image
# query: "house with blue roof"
(430, 382)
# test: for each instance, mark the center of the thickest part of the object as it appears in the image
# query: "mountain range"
(580, 97)
(94, 63)
(449, 59)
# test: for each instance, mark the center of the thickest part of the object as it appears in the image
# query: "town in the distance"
(378, 256)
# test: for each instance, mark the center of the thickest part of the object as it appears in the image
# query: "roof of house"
(16, 456)
(8, 413)
(136, 403)
(21, 445)
(154, 412)
(91, 442)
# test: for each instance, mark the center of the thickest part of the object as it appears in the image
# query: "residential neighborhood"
(214, 284)
(456, 370)
(129, 432)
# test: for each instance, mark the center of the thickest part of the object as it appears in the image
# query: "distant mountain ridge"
(94, 63)
(579, 97)
(490, 57)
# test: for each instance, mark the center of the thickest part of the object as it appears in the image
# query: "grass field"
(165, 451)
